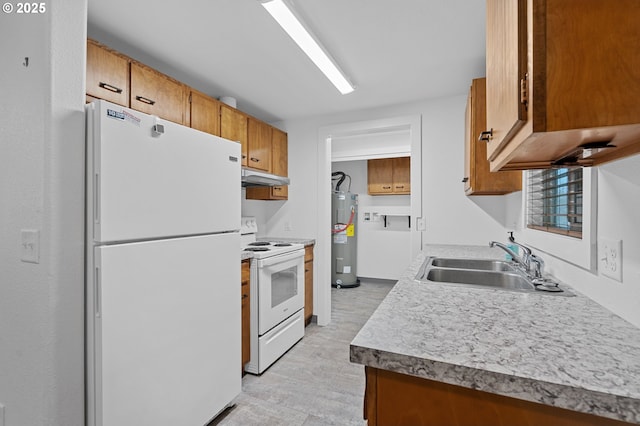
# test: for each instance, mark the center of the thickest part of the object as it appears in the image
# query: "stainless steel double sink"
(485, 273)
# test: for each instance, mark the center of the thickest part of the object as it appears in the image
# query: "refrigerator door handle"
(96, 198)
(98, 292)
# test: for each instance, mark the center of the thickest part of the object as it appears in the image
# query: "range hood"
(251, 177)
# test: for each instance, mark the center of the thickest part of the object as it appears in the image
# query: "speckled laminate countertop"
(567, 352)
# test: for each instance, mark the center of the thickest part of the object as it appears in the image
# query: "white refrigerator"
(163, 322)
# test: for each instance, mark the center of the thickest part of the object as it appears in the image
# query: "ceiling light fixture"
(308, 43)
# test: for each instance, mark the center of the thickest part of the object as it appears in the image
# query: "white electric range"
(277, 296)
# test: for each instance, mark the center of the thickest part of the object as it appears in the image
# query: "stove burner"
(282, 245)
(256, 249)
(260, 243)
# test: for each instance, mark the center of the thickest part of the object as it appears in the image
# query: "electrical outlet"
(610, 255)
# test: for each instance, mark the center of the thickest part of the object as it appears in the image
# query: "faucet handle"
(538, 266)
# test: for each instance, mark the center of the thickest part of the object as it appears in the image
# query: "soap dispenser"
(513, 247)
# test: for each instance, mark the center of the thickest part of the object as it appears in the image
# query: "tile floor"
(314, 383)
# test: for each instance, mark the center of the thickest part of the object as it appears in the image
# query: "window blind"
(554, 201)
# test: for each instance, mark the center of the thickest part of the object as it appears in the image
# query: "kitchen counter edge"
(416, 331)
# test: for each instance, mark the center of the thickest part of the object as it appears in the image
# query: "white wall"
(452, 217)
(41, 188)
(618, 213)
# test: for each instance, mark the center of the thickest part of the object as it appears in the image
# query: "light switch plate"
(610, 258)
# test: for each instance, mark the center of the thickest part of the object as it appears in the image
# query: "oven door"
(280, 288)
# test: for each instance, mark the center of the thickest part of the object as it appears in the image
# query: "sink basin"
(491, 279)
(485, 273)
(481, 264)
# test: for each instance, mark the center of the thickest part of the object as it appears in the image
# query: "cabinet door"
(205, 113)
(308, 284)
(259, 145)
(380, 176)
(233, 126)
(468, 136)
(308, 292)
(402, 175)
(156, 94)
(107, 74)
(480, 180)
(279, 161)
(506, 68)
(246, 314)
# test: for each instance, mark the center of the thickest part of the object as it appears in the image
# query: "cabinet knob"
(486, 136)
(465, 180)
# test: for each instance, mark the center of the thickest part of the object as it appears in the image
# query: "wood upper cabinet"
(402, 175)
(233, 126)
(259, 145)
(389, 176)
(246, 312)
(559, 92)
(478, 179)
(380, 176)
(279, 166)
(157, 94)
(204, 113)
(308, 284)
(107, 74)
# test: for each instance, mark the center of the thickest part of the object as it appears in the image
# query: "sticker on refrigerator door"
(124, 116)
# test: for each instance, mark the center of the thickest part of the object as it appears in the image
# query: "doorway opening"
(352, 145)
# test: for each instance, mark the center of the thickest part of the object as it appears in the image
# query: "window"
(554, 201)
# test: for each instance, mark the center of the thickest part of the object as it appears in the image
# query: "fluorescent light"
(288, 21)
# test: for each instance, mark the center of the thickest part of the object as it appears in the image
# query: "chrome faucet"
(537, 265)
(524, 261)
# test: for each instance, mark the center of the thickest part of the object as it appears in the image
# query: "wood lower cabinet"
(246, 312)
(558, 91)
(233, 126)
(107, 74)
(478, 179)
(308, 284)
(403, 400)
(399, 399)
(279, 166)
(388, 176)
(204, 113)
(157, 94)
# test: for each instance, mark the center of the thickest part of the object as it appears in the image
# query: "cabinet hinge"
(524, 90)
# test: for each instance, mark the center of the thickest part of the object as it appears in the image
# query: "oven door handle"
(274, 260)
